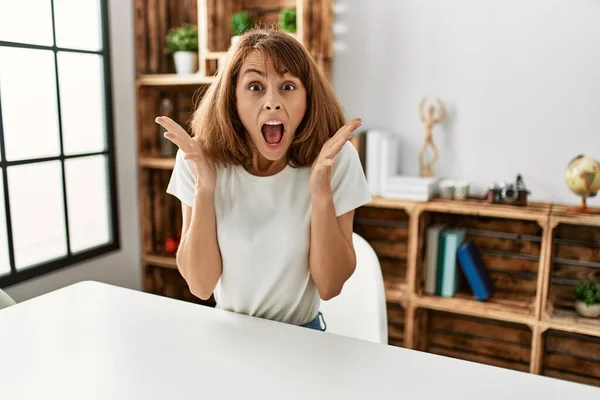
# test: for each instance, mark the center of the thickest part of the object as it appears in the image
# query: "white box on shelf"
(410, 188)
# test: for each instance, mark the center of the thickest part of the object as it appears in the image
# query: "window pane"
(37, 212)
(29, 104)
(78, 24)
(87, 202)
(27, 21)
(81, 80)
(4, 261)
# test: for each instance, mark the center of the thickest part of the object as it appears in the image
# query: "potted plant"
(287, 20)
(240, 22)
(587, 297)
(182, 42)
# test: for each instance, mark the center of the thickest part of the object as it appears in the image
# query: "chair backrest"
(5, 300)
(359, 311)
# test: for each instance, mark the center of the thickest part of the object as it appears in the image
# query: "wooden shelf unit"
(521, 249)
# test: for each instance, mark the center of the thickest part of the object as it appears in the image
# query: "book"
(475, 271)
(410, 188)
(373, 161)
(452, 238)
(431, 257)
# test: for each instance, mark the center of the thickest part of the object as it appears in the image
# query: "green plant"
(588, 292)
(241, 22)
(182, 38)
(287, 20)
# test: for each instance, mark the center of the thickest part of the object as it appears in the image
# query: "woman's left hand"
(319, 182)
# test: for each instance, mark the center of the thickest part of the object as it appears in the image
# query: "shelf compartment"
(160, 212)
(396, 319)
(386, 230)
(571, 357)
(177, 103)
(482, 340)
(512, 252)
(574, 258)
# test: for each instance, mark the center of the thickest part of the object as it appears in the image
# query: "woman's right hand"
(204, 169)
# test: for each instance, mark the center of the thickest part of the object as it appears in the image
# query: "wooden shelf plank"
(157, 162)
(560, 213)
(396, 291)
(533, 211)
(476, 308)
(174, 80)
(571, 322)
(383, 202)
(160, 261)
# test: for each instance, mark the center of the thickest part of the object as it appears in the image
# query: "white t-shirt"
(263, 231)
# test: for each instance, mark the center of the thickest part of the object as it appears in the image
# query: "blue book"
(452, 238)
(475, 271)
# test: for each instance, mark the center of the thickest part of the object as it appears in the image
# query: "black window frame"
(17, 276)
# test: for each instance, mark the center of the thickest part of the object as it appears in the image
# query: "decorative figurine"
(429, 120)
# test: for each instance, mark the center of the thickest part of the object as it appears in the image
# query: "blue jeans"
(316, 323)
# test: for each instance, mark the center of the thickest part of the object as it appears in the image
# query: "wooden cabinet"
(535, 254)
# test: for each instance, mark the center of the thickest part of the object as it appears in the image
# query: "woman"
(268, 184)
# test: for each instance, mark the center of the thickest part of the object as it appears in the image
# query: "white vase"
(186, 62)
(592, 311)
(234, 39)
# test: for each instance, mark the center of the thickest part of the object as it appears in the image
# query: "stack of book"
(447, 254)
(381, 167)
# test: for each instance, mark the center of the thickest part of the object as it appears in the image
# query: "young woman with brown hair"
(268, 183)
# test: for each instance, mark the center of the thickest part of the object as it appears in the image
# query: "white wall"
(120, 268)
(521, 80)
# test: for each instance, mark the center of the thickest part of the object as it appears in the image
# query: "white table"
(96, 341)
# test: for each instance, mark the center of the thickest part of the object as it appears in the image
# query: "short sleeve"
(182, 184)
(348, 183)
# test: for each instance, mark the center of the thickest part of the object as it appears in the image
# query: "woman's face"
(270, 106)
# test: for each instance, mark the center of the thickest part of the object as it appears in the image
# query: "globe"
(583, 177)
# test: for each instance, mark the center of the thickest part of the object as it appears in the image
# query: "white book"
(373, 161)
(389, 158)
(406, 196)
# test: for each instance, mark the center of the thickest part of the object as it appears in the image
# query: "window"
(57, 163)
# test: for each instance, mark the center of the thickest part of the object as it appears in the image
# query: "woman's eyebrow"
(256, 71)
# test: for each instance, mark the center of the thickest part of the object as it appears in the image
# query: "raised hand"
(320, 173)
(204, 169)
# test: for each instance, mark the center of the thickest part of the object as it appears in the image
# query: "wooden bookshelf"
(535, 254)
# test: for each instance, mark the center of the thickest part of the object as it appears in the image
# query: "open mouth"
(273, 132)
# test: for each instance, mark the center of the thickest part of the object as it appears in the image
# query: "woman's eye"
(288, 86)
(254, 87)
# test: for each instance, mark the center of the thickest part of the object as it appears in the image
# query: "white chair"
(359, 311)
(5, 300)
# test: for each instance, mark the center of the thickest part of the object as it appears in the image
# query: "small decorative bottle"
(167, 148)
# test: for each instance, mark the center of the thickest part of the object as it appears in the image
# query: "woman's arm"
(199, 256)
(332, 258)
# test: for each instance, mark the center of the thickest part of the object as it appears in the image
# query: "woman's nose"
(272, 101)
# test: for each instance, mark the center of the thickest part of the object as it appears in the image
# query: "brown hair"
(217, 126)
